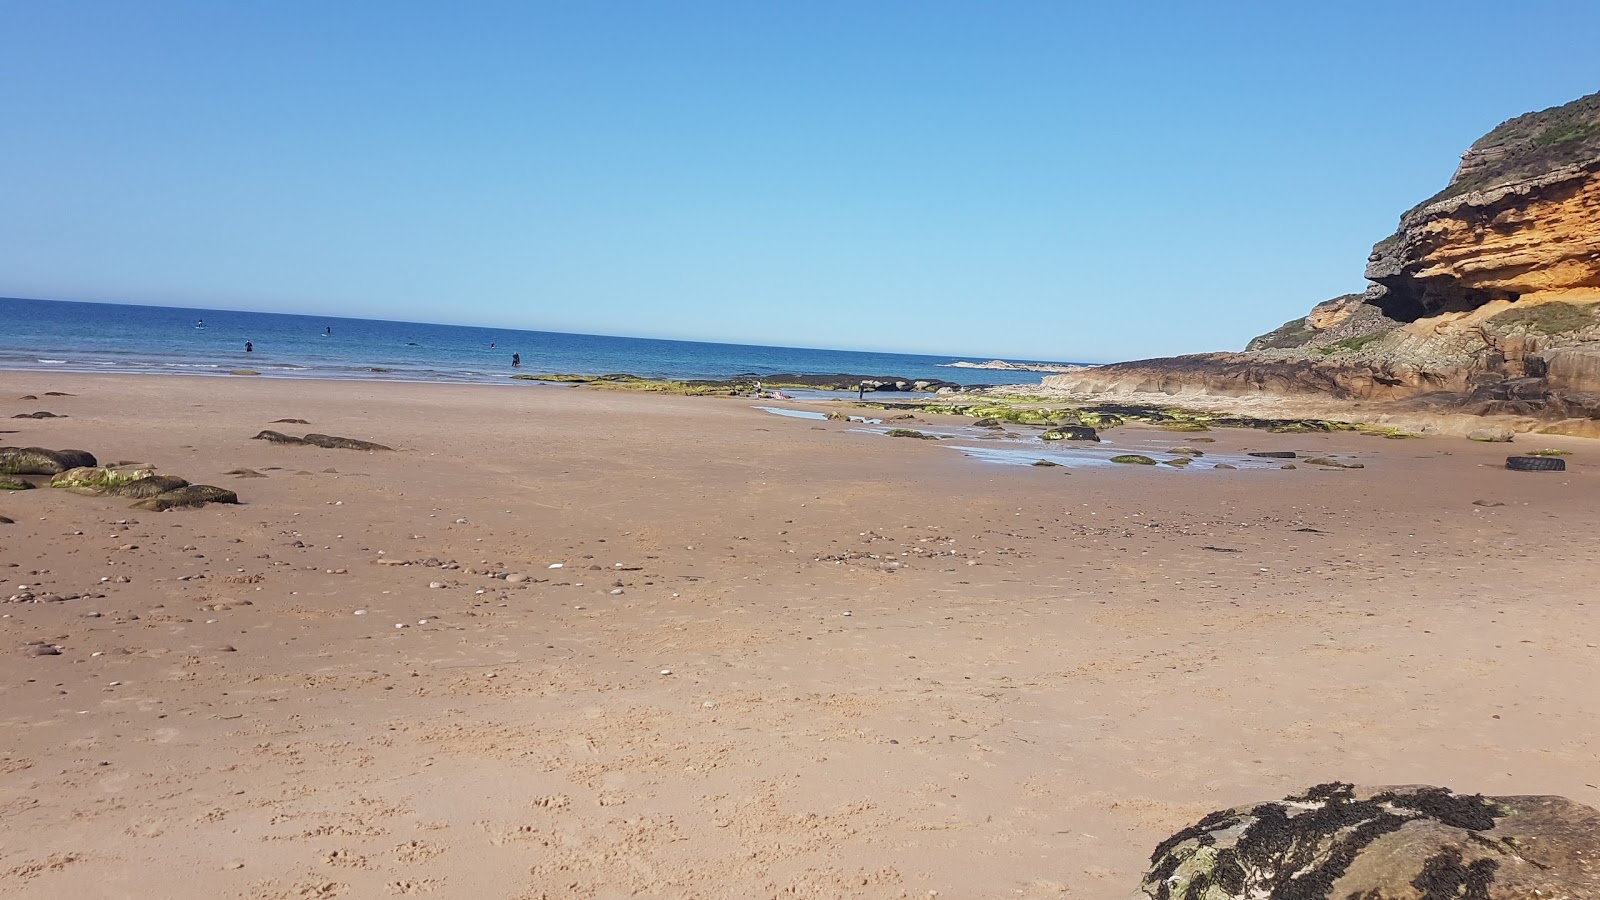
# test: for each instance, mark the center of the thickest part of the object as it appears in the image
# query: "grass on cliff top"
(1534, 144)
(1555, 317)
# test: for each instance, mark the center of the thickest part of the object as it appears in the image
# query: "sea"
(112, 337)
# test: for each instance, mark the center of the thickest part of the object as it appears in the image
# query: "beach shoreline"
(779, 656)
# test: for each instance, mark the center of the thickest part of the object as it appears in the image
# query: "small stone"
(616, 591)
(556, 565)
(846, 612)
(666, 671)
(42, 650)
(226, 648)
(436, 584)
(461, 521)
(709, 704)
(399, 624)
(516, 578)
(361, 612)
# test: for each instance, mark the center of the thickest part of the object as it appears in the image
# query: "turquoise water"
(104, 337)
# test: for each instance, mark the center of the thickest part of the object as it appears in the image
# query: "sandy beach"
(779, 657)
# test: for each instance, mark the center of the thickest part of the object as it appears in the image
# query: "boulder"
(1133, 459)
(1337, 841)
(41, 414)
(15, 484)
(39, 461)
(1492, 435)
(144, 488)
(193, 495)
(1071, 433)
(99, 477)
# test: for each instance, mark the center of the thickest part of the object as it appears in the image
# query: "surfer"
(328, 332)
(516, 360)
(249, 347)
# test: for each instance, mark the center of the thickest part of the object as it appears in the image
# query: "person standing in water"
(516, 360)
(249, 347)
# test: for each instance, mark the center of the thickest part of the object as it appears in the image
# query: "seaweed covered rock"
(193, 495)
(99, 477)
(39, 461)
(15, 484)
(1070, 433)
(1338, 841)
(1133, 459)
(144, 488)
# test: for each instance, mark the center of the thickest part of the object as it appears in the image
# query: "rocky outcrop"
(1486, 299)
(1337, 841)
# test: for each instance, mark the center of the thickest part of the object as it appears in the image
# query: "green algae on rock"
(93, 477)
(189, 496)
(910, 433)
(1133, 459)
(15, 484)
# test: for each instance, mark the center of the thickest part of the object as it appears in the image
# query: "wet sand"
(781, 657)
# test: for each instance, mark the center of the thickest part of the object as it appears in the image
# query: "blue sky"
(1041, 180)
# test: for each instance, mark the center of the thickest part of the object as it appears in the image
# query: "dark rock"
(39, 461)
(910, 433)
(1133, 459)
(41, 414)
(27, 397)
(58, 394)
(1337, 841)
(277, 437)
(6, 521)
(289, 422)
(193, 495)
(244, 473)
(320, 440)
(1045, 463)
(1071, 433)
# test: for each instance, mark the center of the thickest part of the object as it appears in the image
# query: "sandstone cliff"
(1486, 299)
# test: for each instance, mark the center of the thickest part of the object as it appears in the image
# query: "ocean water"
(105, 337)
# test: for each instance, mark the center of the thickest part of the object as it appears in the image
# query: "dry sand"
(1062, 668)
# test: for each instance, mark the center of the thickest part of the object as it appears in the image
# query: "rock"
(910, 433)
(516, 578)
(15, 484)
(320, 440)
(1178, 462)
(1133, 459)
(150, 486)
(1224, 466)
(278, 437)
(38, 415)
(1187, 451)
(97, 478)
(40, 650)
(1337, 841)
(289, 422)
(342, 443)
(27, 397)
(244, 473)
(1487, 503)
(39, 461)
(7, 521)
(1070, 433)
(1333, 463)
(194, 495)
(1495, 435)
(1045, 463)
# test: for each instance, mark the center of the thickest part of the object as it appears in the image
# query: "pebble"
(422, 621)
(616, 590)
(399, 624)
(666, 671)
(43, 650)
(847, 612)
(461, 521)
(516, 578)
(709, 704)
(436, 584)
(556, 565)
(226, 648)
(361, 612)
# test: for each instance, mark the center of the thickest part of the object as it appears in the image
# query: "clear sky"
(1048, 180)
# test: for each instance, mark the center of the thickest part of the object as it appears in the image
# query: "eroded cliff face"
(1486, 299)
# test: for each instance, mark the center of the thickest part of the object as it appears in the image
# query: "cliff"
(1486, 299)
